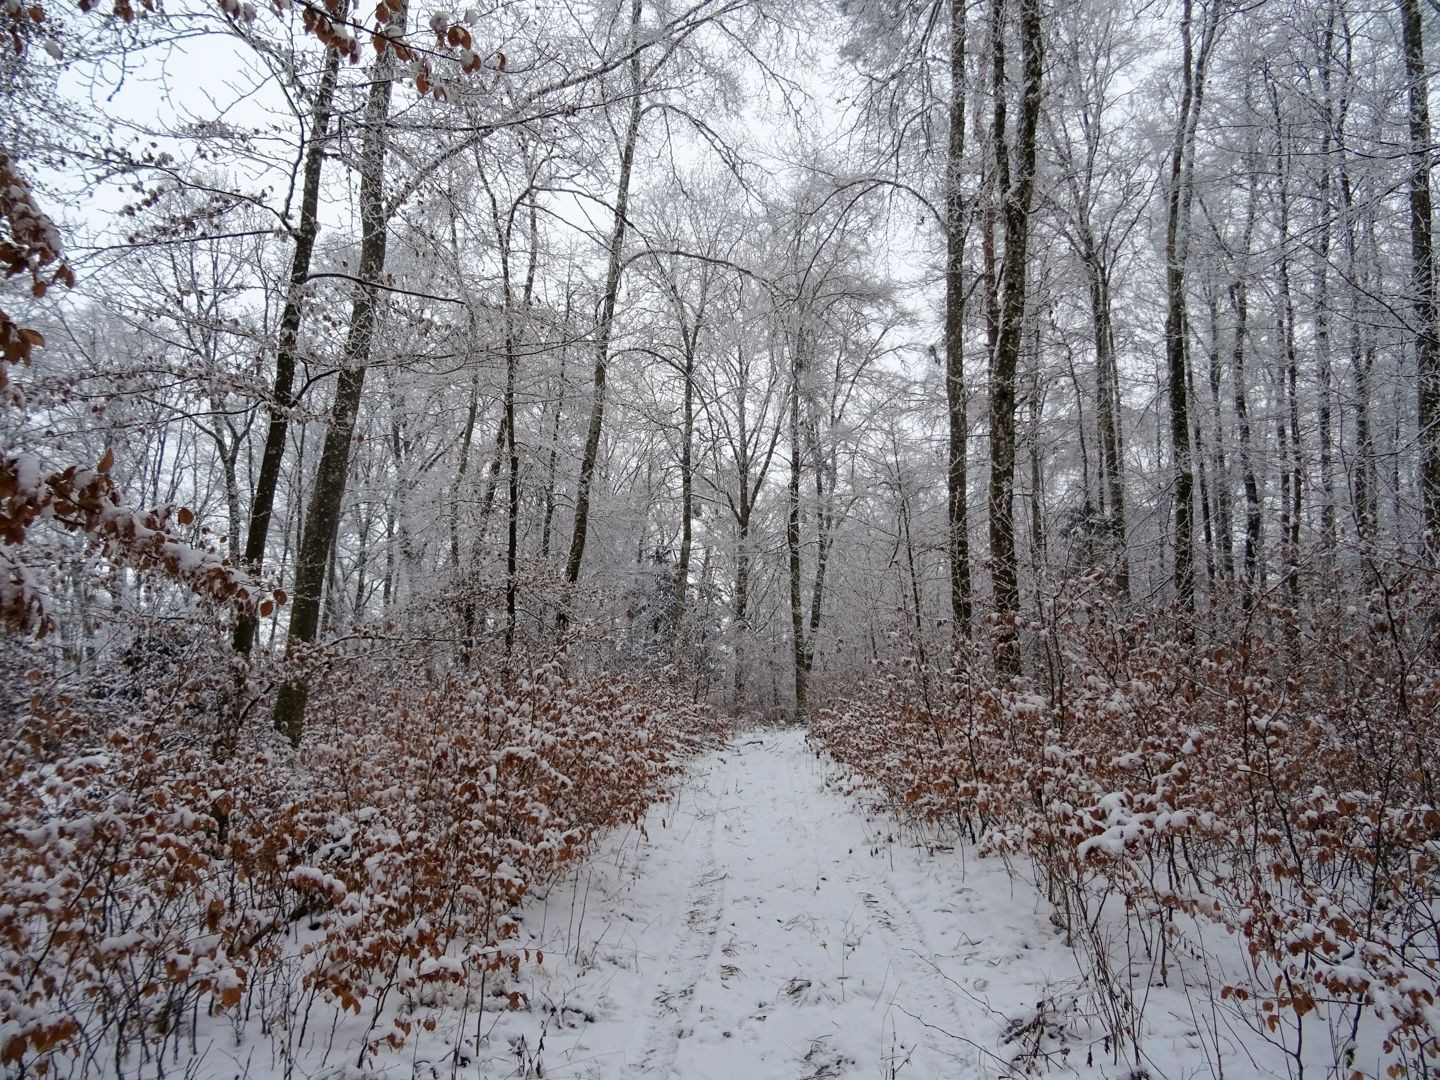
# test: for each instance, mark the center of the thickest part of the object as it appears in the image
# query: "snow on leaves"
(86, 501)
(1278, 783)
(142, 880)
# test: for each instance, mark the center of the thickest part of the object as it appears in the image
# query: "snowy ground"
(768, 930)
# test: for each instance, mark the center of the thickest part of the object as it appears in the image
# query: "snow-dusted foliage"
(146, 882)
(1257, 807)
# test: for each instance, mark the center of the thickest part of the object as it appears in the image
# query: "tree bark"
(1239, 299)
(687, 480)
(792, 533)
(322, 517)
(552, 453)
(607, 319)
(955, 395)
(1177, 223)
(282, 398)
(1015, 211)
(1323, 363)
(1422, 256)
(1107, 413)
(1220, 494)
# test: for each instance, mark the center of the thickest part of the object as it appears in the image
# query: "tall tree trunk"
(1220, 473)
(607, 316)
(1107, 414)
(1292, 459)
(1207, 517)
(282, 397)
(1239, 298)
(552, 455)
(464, 582)
(467, 436)
(1177, 224)
(322, 517)
(362, 568)
(1360, 342)
(1325, 226)
(741, 603)
(1015, 211)
(229, 467)
(1367, 512)
(512, 506)
(512, 364)
(955, 395)
(922, 661)
(792, 533)
(492, 473)
(826, 476)
(1039, 557)
(504, 226)
(507, 425)
(1422, 255)
(687, 480)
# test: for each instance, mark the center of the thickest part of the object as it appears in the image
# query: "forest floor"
(767, 928)
(762, 926)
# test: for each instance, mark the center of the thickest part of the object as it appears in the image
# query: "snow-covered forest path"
(767, 929)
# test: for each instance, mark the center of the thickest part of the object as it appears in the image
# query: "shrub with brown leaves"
(1276, 777)
(145, 883)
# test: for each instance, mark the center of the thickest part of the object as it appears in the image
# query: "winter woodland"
(720, 538)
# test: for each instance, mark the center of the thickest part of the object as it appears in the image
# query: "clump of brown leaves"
(145, 883)
(1273, 773)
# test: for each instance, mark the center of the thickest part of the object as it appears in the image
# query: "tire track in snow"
(910, 954)
(817, 829)
(784, 939)
(692, 947)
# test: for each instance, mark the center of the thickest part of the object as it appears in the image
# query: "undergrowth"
(1273, 775)
(152, 875)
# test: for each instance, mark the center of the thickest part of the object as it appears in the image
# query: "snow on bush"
(1277, 778)
(145, 883)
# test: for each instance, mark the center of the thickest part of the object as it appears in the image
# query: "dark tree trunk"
(607, 319)
(955, 395)
(1107, 410)
(282, 397)
(792, 534)
(1219, 469)
(1177, 223)
(1422, 256)
(1015, 211)
(322, 517)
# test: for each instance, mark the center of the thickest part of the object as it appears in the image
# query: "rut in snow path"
(797, 938)
(793, 936)
(766, 932)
